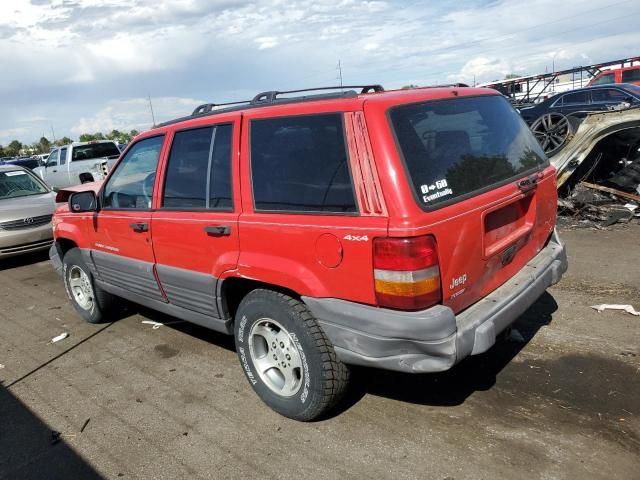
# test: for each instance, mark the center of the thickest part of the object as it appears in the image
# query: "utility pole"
(153, 117)
(53, 134)
(339, 68)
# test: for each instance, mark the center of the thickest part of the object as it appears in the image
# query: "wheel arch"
(232, 290)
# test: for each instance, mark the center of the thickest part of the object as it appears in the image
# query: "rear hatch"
(484, 189)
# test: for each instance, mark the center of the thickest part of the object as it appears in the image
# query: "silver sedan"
(26, 208)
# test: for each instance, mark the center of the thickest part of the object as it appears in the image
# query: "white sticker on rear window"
(14, 173)
(438, 189)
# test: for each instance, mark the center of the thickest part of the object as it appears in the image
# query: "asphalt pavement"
(125, 400)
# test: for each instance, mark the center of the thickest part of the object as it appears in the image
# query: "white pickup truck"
(78, 162)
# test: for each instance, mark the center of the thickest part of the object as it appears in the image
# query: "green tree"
(407, 87)
(43, 145)
(509, 76)
(134, 133)
(64, 141)
(13, 149)
(2, 152)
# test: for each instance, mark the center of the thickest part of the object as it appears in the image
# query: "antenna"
(153, 117)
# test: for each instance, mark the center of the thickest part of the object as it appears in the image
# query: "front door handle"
(218, 230)
(139, 227)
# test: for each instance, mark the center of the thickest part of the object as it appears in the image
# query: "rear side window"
(95, 150)
(631, 75)
(458, 147)
(199, 170)
(300, 164)
(604, 79)
(63, 156)
(578, 98)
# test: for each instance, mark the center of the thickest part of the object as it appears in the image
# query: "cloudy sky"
(89, 65)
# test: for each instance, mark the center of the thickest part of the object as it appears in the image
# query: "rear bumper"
(435, 339)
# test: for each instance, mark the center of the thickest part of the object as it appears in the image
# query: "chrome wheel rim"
(276, 357)
(551, 130)
(80, 286)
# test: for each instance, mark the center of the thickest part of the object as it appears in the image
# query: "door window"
(199, 169)
(608, 95)
(629, 76)
(300, 164)
(52, 161)
(604, 79)
(131, 184)
(577, 98)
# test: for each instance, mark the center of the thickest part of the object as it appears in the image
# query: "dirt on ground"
(125, 400)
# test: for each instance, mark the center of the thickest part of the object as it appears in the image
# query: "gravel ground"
(124, 400)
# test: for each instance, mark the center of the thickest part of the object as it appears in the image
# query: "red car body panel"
(331, 255)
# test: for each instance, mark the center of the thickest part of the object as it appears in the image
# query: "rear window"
(631, 75)
(454, 148)
(95, 150)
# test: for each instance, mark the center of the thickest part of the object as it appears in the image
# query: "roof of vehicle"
(618, 69)
(10, 167)
(370, 93)
(79, 144)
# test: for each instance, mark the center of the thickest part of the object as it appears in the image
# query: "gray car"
(26, 208)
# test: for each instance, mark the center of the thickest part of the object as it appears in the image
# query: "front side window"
(456, 147)
(300, 164)
(52, 161)
(131, 184)
(604, 79)
(608, 95)
(199, 169)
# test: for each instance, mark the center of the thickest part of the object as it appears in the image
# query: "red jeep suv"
(401, 230)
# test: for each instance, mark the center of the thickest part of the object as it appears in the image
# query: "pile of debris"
(599, 170)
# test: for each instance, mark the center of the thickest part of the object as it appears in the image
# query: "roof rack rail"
(271, 96)
(208, 107)
(447, 85)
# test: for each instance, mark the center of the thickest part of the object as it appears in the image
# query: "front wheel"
(286, 356)
(89, 300)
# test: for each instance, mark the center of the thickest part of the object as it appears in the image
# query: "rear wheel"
(89, 300)
(286, 356)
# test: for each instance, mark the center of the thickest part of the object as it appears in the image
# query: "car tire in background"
(286, 356)
(90, 301)
(553, 131)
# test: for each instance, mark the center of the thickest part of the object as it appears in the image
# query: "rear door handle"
(139, 227)
(218, 230)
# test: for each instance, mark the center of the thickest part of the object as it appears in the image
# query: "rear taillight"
(406, 272)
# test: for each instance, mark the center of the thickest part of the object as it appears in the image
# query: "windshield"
(453, 148)
(19, 183)
(95, 150)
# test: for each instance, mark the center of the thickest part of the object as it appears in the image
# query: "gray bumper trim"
(435, 339)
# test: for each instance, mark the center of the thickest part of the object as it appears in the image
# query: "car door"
(122, 251)
(195, 224)
(51, 168)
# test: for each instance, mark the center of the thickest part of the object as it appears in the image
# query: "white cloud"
(135, 113)
(70, 61)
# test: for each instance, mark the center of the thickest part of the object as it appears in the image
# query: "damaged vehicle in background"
(555, 120)
(598, 170)
(26, 208)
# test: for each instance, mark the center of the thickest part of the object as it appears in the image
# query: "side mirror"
(83, 202)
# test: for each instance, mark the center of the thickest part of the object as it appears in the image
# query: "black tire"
(323, 378)
(98, 307)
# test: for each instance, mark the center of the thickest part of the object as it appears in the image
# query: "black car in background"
(555, 119)
(26, 162)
